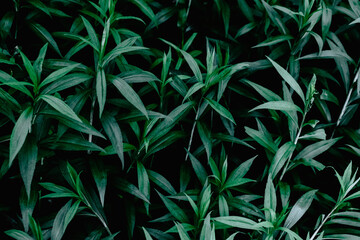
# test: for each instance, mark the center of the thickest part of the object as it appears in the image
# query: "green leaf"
(223, 206)
(38, 64)
(325, 20)
(130, 188)
(194, 88)
(280, 158)
(270, 201)
(27, 162)
(58, 74)
(27, 205)
(206, 229)
(143, 182)
(204, 200)
(278, 105)
(182, 233)
(63, 218)
(205, 136)
(19, 133)
(161, 181)
(274, 40)
(325, 54)
(83, 126)
(236, 176)
(198, 168)
(113, 131)
(145, 8)
(138, 76)
(101, 90)
(266, 93)
(221, 110)
(237, 222)
(92, 33)
(193, 65)
(123, 47)
(262, 139)
(58, 191)
(147, 235)
(288, 78)
(18, 235)
(6, 79)
(99, 174)
(30, 69)
(274, 16)
(47, 36)
(70, 142)
(60, 106)
(316, 149)
(174, 209)
(129, 94)
(299, 209)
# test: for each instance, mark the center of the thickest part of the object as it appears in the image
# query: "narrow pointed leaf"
(316, 149)
(18, 235)
(236, 176)
(113, 131)
(47, 36)
(60, 106)
(54, 76)
(198, 168)
(299, 209)
(182, 233)
(100, 176)
(62, 219)
(278, 105)
(288, 78)
(101, 90)
(129, 94)
(19, 133)
(280, 158)
(30, 69)
(161, 181)
(27, 162)
(221, 110)
(193, 65)
(7, 79)
(130, 188)
(174, 209)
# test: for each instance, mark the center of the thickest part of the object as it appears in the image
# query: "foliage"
(144, 119)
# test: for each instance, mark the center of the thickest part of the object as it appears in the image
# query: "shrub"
(146, 119)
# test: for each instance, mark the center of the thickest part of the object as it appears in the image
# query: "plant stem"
(295, 142)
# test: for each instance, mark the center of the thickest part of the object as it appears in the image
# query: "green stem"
(295, 142)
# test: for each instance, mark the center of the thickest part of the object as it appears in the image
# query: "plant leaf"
(161, 181)
(278, 105)
(299, 209)
(113, 131)
(27, 162)
(288, 78)
(174, 209)
(19, 133)
(316, 149)
(128, 92)
(221, 110)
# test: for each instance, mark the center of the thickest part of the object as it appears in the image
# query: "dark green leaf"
(221, 110)
(161, 181)
(27, 162)
(128, 92)
(19, 133)
(60, 106)
(299, 209)
(113, 131)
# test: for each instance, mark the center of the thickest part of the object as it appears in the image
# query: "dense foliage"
(183, 119)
